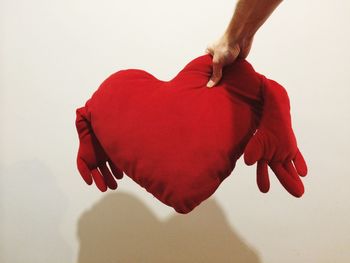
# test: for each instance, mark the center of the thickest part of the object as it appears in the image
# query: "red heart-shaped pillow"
(178, 139)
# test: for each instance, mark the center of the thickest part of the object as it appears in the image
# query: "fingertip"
(299, 192)
(303, 171)
(118, 174)
(108, 177)
(84, 171)
(88, 182)
(210, 84)
(251, 154)
(299, 195)
(300, 164)
(253, 151)
(99, 180)
(292, 183)
(113, 187)
(102, 188)
(248, 159)
(262, 178)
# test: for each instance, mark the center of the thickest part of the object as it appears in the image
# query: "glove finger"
(115, 170)
(300, 164)
(262, 176)
(108, 177)
(84, 171)
(253, 151)
(99, 181)
(292, 171)
(288, 180)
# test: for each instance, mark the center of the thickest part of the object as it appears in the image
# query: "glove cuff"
(276, 104)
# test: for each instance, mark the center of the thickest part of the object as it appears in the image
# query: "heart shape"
(178, 139)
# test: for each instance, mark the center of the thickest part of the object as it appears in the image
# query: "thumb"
(300, 164)
(253, 151)
(217, 73)
(84, 170)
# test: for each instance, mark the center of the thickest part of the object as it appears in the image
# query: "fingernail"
(210, 84)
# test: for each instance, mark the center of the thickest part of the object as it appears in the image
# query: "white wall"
(54, 54)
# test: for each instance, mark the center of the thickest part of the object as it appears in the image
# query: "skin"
(237, 40)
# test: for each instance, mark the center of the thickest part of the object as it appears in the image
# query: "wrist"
(236, 36)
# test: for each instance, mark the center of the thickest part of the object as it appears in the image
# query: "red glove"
(91, 159)
(274, 143)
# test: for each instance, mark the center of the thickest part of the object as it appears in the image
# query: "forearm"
(249, 15)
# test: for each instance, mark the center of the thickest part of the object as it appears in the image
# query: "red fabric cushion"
(178, 139)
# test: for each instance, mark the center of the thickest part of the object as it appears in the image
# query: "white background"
(54, 54)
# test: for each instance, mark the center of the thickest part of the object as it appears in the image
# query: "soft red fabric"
(274, 143)
(179, 139)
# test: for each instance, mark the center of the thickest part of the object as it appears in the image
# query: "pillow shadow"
(120, 228)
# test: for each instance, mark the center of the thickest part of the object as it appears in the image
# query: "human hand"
(274, 144)
(92, 159)
(225, 52)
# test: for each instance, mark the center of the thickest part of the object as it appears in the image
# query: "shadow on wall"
(31, 208)
(120, 228)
